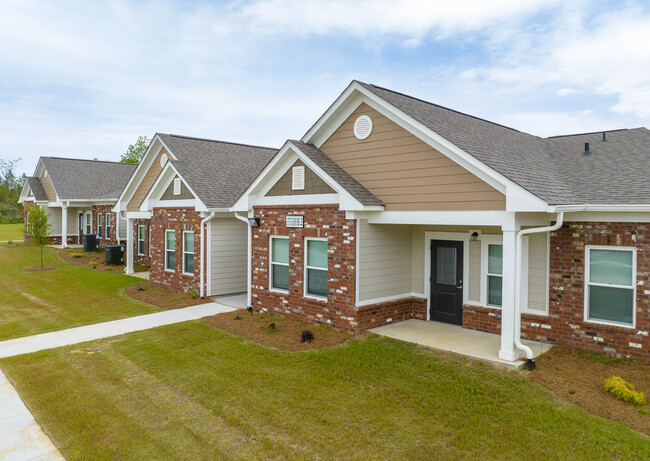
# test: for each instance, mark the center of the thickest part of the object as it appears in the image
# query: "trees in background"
(10, 186)
(135, 151)
(38, 227)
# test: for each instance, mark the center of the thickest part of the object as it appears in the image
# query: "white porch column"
(129, 246)
(64, 226)
(508, 351)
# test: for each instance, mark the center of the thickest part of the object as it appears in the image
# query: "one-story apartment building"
(78, 196)
(391, 208)
(177, 206)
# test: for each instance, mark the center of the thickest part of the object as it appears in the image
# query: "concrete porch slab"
(141, 275)
(454, 338)
(239, 300)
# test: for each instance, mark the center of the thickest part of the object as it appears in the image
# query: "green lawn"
(191, 391)
(68, 296)
(11, 232)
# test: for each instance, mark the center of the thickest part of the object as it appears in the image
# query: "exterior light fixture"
(254, 222)
(474, 236)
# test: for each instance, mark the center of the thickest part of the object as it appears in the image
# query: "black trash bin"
(114, 254)
(90, 242)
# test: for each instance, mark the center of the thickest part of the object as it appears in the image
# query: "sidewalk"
(21, 438)
(76, 335)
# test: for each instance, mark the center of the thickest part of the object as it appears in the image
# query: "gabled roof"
(363, 195)
(75, 179)
(218, 172)
(554, 169)
(37, 189)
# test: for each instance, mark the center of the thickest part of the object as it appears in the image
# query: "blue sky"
(85, 79)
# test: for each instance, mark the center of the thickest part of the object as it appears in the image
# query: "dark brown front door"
(446, 297)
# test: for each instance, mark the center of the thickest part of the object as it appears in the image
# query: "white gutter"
(203, 247)
(250, 260)
(518, 282)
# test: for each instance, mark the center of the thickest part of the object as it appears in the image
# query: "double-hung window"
(280, 263)
(316, 267)
(610, 293)
(188, 252)
(99, 224)
(170, 250)
(494, 274)
(141, 240)
(89, 223)
(108, 225)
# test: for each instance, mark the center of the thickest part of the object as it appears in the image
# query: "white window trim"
(100, 222)
(487, 239)
(107, 225)
(167, 269)
(187, 252)
(586, 285)
(89, 214)
(140, 254)
(525, 308)
(305, 294)
(271, 263)
(298, 177)
(177, 186)
(149, 247)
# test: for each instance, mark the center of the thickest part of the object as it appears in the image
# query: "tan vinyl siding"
(48, 187)
(474, 282)
(54, 219)
(313, 184)
(146, 183)
(384, 260)
(229, 256)
(405, 172)
(123, 230)
(537, 271)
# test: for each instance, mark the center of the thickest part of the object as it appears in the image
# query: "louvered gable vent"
(298, 178)
(362, 127)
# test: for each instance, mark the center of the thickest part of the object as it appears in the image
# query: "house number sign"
(295, 221)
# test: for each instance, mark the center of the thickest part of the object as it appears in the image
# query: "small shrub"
(140, 288)
(109, 268)
(623, 390)
(306, 336)
(271, 329)
(77, 255)
(92, 263)
(238, 317)
(193, 293)
(644, 411)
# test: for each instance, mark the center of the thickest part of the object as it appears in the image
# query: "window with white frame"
(89, 223)
(610, 290)
(108, 225)
(99, 224)
(188, 252)
(141, 240)
(170, 250)
(279, 263)
(494, 274)
(316, 267)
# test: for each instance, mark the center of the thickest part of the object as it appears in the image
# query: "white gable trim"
(155, 146)
(278, 166)
(517, 198)
(161, 184)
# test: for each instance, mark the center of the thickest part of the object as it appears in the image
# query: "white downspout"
(117, 227)
(518, 283)
(249, 296)
(203, 248)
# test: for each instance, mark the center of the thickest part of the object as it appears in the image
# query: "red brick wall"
(565, 323)
(144, 258)
(178, 219)
(103, 210)
(376, 315)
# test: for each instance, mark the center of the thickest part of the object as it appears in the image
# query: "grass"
(191, 388)
(67, 296)
(11, 232)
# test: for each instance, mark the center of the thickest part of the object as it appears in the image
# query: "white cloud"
(567, 91)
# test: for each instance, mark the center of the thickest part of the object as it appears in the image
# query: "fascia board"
(160, 185)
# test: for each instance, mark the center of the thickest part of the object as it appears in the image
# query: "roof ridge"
(589, 132)
(445, 108)
(87, 160)
(219, 141)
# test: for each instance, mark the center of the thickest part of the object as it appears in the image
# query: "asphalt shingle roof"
(218, 172)
(554, 169)
(363, 195)
(75, 179)
(37, 188)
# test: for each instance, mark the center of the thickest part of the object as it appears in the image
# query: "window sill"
(278, 290)
(187, 274)
(316, 298)
(170, 271)
(609, 325)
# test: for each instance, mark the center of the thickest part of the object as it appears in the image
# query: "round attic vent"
(362, 127)
(163, 160)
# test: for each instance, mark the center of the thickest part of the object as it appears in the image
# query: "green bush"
(77, 255)
(623, 390)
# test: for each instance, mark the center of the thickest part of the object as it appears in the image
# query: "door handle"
(460, 285)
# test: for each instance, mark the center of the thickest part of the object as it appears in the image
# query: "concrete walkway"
(76, 335)
(140, 275)
(454, 338)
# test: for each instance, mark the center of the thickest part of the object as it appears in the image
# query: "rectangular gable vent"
(177, 186)
(298, 178)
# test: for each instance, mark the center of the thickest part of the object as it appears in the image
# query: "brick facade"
(338, 311)
(141, 258)
(179, 220)
(565, 323)
(104, 210)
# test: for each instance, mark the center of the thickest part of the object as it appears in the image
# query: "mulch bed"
(286, 335)
(580, 376)
(94, 260)
(162, 298)
(39, 269)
